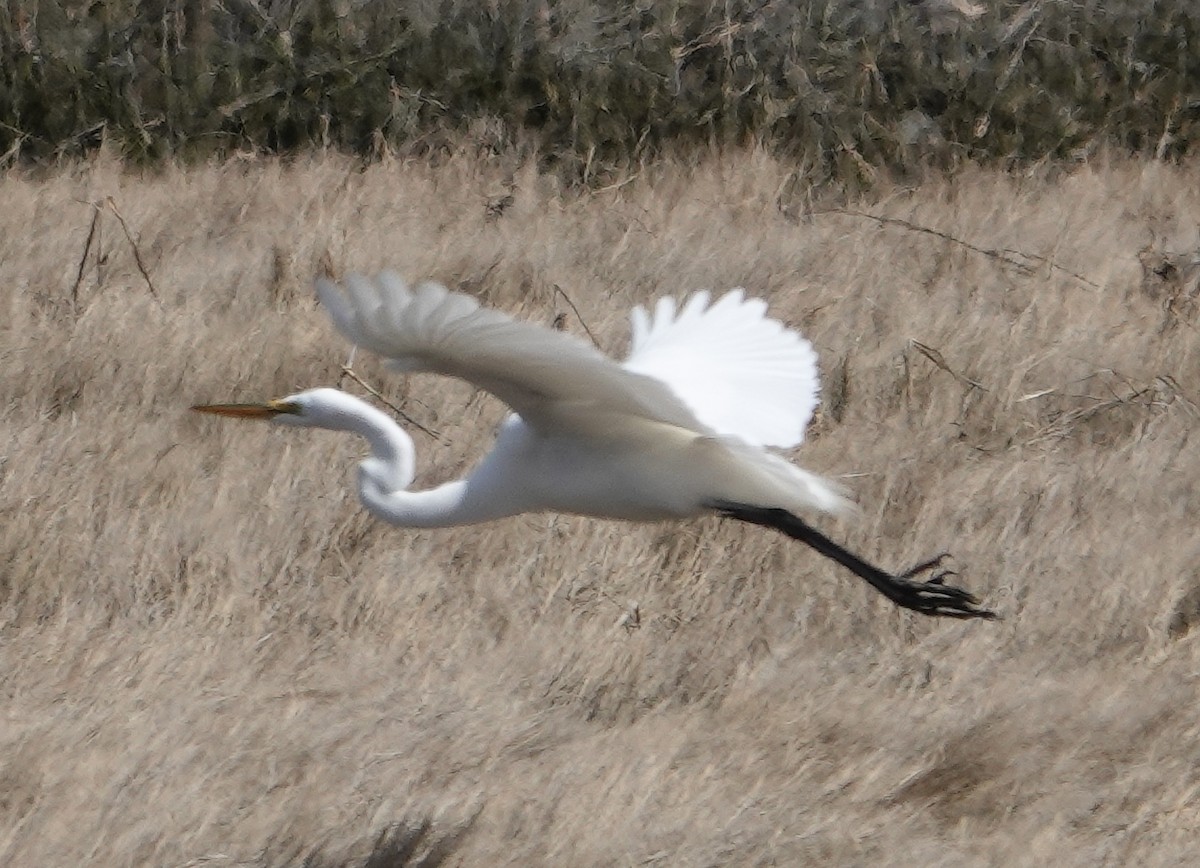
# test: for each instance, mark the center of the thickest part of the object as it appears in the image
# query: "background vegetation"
(844, 86)
(210, 655)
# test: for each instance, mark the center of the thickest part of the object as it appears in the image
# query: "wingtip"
(639, 321)
(326, 289)
(735, 296)
(330, 295)
(351, 304)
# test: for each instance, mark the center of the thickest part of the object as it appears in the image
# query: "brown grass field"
(210, 655)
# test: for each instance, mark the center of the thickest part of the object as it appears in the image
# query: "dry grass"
(210, 656)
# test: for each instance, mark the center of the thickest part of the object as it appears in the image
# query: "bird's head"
(315, 408)
(390, 467)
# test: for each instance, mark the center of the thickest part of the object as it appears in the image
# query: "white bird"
(682, 428)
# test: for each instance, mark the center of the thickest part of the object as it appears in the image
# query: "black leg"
(932, 597)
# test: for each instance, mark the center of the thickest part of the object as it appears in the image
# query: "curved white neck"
(446, 505)
(383, 480)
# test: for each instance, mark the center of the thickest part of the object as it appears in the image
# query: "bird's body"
(618, 476)
(682, 428)
(639, 471)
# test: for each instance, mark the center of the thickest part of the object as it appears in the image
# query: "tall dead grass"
(210, 656)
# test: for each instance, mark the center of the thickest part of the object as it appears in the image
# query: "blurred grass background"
(213, 656)
(846, 87)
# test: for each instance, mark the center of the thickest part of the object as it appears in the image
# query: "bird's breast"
(643, 476)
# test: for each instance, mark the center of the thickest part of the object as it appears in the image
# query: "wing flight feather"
(548, 377)
(741, 373)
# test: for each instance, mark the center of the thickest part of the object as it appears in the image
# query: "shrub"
(846, 86)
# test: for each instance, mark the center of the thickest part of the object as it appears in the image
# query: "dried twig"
(1161, 392)
(937, 358)
(137, 254)
(1000, 255)
(474, 284)
(349, 372)
(1050, 263)
(1062, 424)
(1171, 386)
(14, 152)
(578, 316)
(87, 248)
(617, 185)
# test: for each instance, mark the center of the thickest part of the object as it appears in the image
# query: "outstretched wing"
(550, 378)
(741, 373)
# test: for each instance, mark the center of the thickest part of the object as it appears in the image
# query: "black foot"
(932, 597)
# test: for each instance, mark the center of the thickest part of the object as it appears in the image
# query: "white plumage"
(713, 382)
(678, 430)
(742, 374)
(538, 372)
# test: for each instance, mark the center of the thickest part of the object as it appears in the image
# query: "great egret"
(681, 429)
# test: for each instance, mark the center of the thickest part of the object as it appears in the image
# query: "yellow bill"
(247, 411)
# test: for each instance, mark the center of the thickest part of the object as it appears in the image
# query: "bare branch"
(349, 372)
(578, 316)
(1000, 255)
(137, 254)
(87, 248)
(936, 357)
